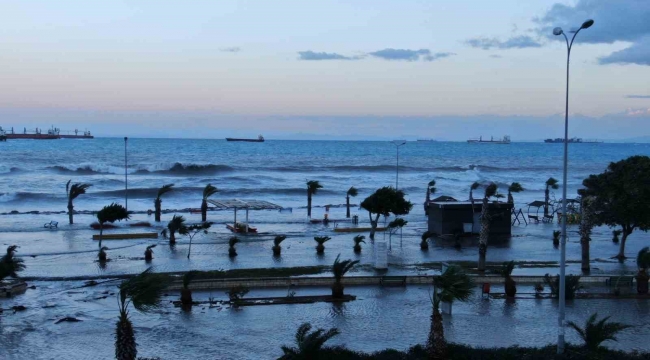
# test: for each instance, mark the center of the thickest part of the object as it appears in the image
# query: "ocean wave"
(12, 170)
(83, 170)
(189, 169)
(350, 168)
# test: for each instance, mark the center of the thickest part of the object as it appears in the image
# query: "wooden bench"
(392, 281)
(620, 281)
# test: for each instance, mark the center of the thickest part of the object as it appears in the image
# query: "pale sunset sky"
(354, 69)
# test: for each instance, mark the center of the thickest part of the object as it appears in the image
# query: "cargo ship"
(260, 138)
(504, 140)
(38, 134)
(574, 140)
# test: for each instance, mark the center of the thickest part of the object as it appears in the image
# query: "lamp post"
(560, 336)
(126, 178)
(397, 144)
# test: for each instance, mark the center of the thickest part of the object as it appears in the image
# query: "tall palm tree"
(321, 240)
(339, 269)
(643, 263)
(551, 183)
(490, 191)
(110, 214)
(510, 284)
(351, 192)
(10, 265)
(208, 191)
(594, 333)
(158, 201)
(232, 252)
(308, 345)
(73, 192)
(473, 187)
(277, 249)
(587, 223)
(357, 243)
(176, 225)
(452, 285)
(143, 291)
(515, 187)
(312, 188)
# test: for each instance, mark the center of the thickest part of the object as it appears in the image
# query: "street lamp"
(397, 144)
(126, 178)
(560, 336)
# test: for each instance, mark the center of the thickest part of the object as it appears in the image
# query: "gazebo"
(247, 205)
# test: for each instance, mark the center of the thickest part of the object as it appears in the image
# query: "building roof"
(244, 204)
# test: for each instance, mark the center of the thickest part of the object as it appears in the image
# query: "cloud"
(314, 56)
(637, 96)
(515, 42)
(496, 56)
(385, 54)
(615, 20)
(233, 49)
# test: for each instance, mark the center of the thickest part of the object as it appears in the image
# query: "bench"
(392, 281)
(51, 225)
(619, 281)
(534, 217)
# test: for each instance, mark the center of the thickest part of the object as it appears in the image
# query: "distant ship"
(426, 140)
(504, 140)
(260, 138)
(574, 140)
(37, 134)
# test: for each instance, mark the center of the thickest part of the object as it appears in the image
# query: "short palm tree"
(452, 285)
(643, 263)
(352, 192)
(595, 332)
(208, 191)
(510, 285)
(10, 265)
(143, 291)
(176, 225)
(158, 201)
(308, 344)
(312, 188)
(186, 292)
(424, 244)
(73, 192)
(515, 187)
(232, 252)
(357, 243)
(102, 254)
(339, 269)
(110, 214)
(277, 249)
(551, 183)
(148, 253)
(490, 191)
(321, 240)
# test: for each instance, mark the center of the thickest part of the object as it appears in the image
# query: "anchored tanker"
(260, 138)
(38, 134)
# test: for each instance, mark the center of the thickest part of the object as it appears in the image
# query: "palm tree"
(490, 191)
(232, 252)
(515, 187)
(395, 225)
(208, 191)
(551, 183)
(186, 292)
(450, 286)
(73, 192)
(594, 333)
(431, 189)
(357, 243)
(312, 188)
(321, 240)
(474, 186)
(102, 254)
(10, 265)
(308, 345)
(143, 291)
(277, 249)
(643, 263)
(176, 225)
(148, 253)
(110, 214)
(158, 201)
(351, 192)
(339, 269)
(556, 237)
(587, 223)
(510, 285)
(424, 244)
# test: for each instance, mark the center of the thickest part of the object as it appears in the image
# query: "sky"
(353, 69)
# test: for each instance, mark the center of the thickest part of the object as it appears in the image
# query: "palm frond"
(209, 190)
(515, 187)
(150, 247)
(340, 268)
(188, 277)
(353, 192)
(77, 189)
(596, 332)
(145, 289)
(232, 241)
(313, 186)
(177, 224)
(10, 265)
(475, 185)
(112, 213)
(164, 190)
(426, 235)
(552, 183)
(643, 258)
(490, 190)
(308, 344)
(359, 239)
(279, 239)
(397, 223)
(454, 284)
(506, 268)
(322, 239)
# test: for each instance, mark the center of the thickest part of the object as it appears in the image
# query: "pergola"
(247, 205)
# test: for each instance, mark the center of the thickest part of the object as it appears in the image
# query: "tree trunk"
(337, 290)
(511, 199)
(309, 203)
(510, 287)
(584, 245)
(186, 296)
(101, 234)
(157, 204)
(546, 198)
(586, 225)
(148, 255)
(320, 248)
(436, 343)
(204, 210)
(357, 248)
(484, 235)
(172, 238)
(70, 211)
(125, 345)
(277, 250)
(642, 282)
(621, 250)
(373, 227)
(347, 203)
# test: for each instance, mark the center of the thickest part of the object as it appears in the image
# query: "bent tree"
(385, 201)
(73, 192)
(621, 195)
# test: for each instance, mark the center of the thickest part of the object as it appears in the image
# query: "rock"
(67, 319)
(18, 308)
